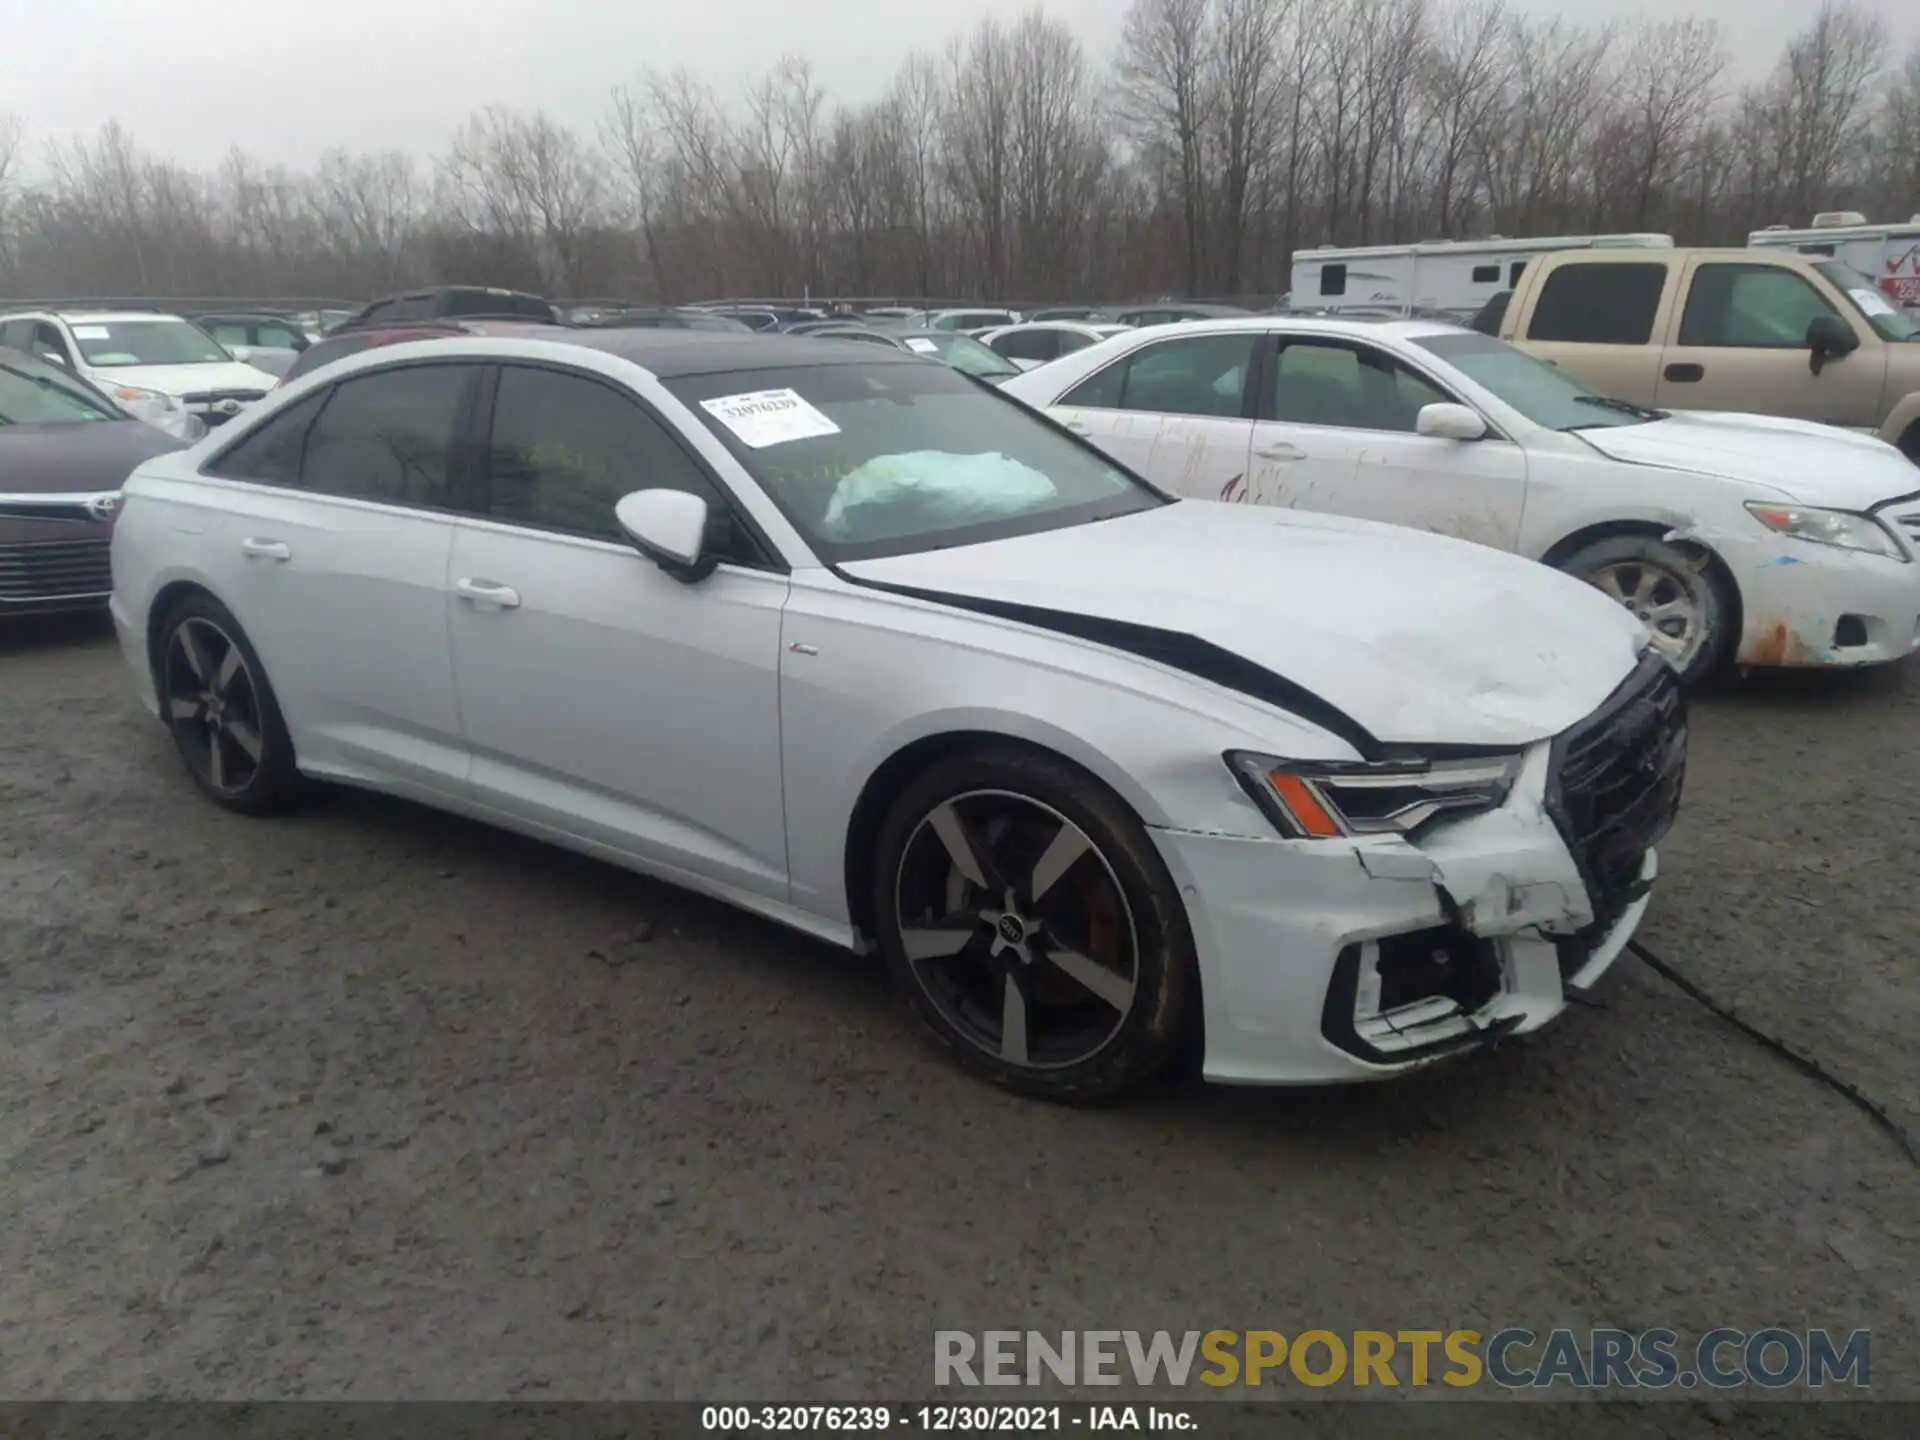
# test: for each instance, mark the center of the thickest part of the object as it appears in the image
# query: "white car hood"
(1418, 638)
(178, 380)
(1817, 464)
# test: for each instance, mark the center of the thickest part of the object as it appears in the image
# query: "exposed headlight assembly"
(1840, 528)
(1322, 801)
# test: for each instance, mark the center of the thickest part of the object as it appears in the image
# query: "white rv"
(1890, 254)
(1454, 277)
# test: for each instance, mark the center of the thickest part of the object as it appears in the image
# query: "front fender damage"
(1484, 896)
(1497, 874)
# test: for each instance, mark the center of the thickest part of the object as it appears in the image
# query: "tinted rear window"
(1599, 304)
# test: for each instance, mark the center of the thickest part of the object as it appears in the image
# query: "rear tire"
(219, 707)
(1031, 926)
(1683, 598)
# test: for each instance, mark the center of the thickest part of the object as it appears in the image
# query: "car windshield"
(1889, 321)
(108, 343)
(33, 393)
(965, 354)
(882, 458)
(1543, 393)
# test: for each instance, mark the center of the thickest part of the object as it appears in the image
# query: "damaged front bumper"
(1357, 959)
(1807, 605)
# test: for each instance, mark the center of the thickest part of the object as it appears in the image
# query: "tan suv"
(1759, 331)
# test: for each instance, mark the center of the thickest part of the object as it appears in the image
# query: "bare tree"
(1223, 134)
(13, 132)
(1166, 80)
(1668, 88)
(1463, 80)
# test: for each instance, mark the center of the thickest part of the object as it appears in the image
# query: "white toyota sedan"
(846, 638)
(1736, 538)
(1037, 341)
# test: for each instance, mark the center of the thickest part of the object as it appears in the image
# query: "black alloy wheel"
(1033, 928)
(216, 702)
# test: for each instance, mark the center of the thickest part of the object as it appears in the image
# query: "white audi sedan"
(842, 636)
(1741, 538)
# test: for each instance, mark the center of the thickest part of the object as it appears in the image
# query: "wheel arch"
(1567, 546)
(164, 599)
(1901, 428)
(897, 770)
(1909, 441)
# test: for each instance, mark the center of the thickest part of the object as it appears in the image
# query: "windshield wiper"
(46, 382)
(1625, 407)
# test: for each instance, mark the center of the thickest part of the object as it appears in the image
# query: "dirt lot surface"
(372, 1103)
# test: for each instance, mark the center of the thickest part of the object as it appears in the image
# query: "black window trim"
(324, 394)
(1249, 395)
(460, 479)
(478, 444)
(1280, 339)
(1686, 304)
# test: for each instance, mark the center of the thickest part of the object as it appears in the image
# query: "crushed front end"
(1362, 956)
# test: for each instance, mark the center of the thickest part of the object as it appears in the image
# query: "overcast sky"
(287, 80)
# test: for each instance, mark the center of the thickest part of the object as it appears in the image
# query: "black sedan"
(65, 450)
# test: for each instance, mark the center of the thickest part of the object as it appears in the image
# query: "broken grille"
(1615, 786)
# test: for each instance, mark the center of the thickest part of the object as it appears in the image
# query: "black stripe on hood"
(1172, 648)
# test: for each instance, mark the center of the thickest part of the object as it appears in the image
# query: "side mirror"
(52, 359)
(1829, 338)
(669, 527)
(1450, 422)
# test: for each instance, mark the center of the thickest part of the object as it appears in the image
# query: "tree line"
(1218, 137)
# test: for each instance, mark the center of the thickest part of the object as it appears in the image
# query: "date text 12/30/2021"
(951, 1419)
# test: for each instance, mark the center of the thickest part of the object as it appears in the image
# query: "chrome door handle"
(265, 550)
(488, 593)
(1280, 451)
(1078, 427)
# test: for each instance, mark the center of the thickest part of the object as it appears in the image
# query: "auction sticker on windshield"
(769, 417)
(920, 345)
(92, 332)
(1871, 302)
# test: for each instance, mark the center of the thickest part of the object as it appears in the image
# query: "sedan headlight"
(1841, 528)
(1323, 801)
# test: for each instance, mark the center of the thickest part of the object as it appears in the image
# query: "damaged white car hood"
(1418, 638)
(1816, 464)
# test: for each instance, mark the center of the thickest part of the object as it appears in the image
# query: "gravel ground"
(374, 1103)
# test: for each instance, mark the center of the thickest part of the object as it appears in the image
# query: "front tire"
(1031, 926)
(1682, 598)
(220, 709)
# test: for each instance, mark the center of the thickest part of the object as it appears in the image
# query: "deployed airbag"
(936, 488)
